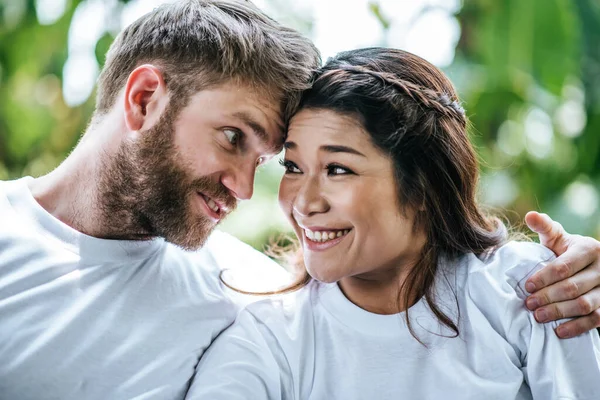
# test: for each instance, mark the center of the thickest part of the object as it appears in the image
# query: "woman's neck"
(382, 290)
(379, 292)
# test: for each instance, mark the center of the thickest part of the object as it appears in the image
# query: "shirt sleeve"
(553, 368)
(562, 368)
(239, 364)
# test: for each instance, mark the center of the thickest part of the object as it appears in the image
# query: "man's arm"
(569, 286)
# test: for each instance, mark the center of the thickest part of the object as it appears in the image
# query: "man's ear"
(145, 97)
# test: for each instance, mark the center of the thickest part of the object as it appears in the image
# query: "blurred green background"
(527, 70)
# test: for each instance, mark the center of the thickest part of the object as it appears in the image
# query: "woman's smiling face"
(340, 195)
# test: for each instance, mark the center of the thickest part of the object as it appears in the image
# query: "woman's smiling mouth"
(321, 238)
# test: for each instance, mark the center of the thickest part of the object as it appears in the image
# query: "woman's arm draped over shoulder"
(239, 364)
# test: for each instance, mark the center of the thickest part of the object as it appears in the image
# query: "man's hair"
(200, 43)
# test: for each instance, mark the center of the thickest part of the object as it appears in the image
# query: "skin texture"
(327, 187)
(148, 169)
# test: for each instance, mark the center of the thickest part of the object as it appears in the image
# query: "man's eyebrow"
(330, 148)
(258, 130)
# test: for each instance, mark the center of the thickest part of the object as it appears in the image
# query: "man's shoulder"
(4, 185)
(224, 257)
(231, 254)
(11, 194)
(8, 186)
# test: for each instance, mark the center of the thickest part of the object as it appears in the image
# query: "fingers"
(551, 233)
(581, 306)
(565, 290)
(579, 256)
(578, 326)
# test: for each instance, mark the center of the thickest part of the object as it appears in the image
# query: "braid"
(441, 103)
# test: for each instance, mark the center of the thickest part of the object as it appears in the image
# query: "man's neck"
(69, 192)
(72, 192)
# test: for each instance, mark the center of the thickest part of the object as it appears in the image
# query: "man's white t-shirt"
(87, 318)
(316, 344)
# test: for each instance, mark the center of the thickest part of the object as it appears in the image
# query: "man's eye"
(232, 136)
(290, 167)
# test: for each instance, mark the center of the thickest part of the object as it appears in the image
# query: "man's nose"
(240, 180)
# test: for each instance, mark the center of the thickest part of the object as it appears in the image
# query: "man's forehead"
(257, 108)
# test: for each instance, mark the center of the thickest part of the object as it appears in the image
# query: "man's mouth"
(211, 203)
(215, 208)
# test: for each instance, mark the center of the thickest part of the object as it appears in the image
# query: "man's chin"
(188, 244)
(191, 241)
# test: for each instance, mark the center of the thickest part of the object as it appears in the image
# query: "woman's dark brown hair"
(412, 113)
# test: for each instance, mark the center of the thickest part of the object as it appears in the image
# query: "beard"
(146, 190)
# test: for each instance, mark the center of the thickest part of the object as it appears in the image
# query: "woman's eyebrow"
(330, 148)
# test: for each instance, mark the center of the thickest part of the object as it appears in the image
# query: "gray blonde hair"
(199, 43)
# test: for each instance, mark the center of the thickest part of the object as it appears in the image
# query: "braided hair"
(413, 115)
(430, 99)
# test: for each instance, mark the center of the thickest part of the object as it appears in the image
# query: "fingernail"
(562, 332)
(541, 315)
(533, 303)
(530, 287)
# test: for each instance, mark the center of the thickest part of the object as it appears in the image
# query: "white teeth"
(324, 236)
(211, 204)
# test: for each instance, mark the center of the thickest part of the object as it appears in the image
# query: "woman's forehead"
(326, 125)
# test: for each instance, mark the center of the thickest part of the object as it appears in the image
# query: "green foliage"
(528, 73)
(517, 56)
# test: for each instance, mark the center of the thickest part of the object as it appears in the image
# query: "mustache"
(217, 191)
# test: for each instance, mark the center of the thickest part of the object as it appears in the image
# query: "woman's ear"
(145, 97)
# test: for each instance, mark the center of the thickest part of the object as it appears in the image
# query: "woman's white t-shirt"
(316, 344)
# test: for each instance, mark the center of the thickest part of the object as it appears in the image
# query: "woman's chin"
(323, 276)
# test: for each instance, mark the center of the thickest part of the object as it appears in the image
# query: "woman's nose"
(309, 199)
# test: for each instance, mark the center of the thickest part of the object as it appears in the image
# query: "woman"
(412, 291)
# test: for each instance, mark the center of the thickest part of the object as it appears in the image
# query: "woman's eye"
(290, 167)
(333, 169)
(233, 136)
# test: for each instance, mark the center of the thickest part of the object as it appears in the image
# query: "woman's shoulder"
(262, 352)
(284, 325)
(507, 268)
(491, 287)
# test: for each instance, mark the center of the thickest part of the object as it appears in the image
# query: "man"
(192, 98)
(103, 293)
